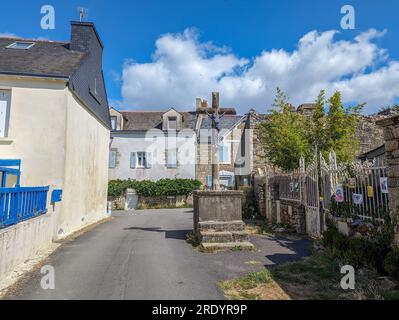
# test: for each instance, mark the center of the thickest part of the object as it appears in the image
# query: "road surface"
(144, 255)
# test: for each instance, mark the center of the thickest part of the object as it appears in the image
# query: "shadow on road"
(298, 248)
(169, 234)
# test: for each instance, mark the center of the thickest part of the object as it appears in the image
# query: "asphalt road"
(145, 256)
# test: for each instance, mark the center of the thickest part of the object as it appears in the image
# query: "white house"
(54, 120)
(152, 145)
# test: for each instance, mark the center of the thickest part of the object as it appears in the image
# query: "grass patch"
(314, 278)
(259, 228)
(192, 239)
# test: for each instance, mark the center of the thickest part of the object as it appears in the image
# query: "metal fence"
(21, 203)
(360, 190)
(290, 185)
(357, 190)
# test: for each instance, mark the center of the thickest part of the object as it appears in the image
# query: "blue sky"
(235, 38)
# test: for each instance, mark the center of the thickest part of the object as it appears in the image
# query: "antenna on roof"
(83, 12)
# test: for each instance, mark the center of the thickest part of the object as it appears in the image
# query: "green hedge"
(163, 187)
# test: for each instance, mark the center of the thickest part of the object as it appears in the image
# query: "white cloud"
(183, 68)
(8, 35)
(14, 36)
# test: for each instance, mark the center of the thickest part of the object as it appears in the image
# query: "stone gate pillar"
(391, 137)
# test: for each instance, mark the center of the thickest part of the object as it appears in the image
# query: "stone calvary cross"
(215, 118)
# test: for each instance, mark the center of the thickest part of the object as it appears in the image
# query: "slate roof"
(227, 122)
(79, 61)
(45, 58)
(146, 120)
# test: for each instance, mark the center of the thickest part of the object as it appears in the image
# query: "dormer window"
(93, 90)
(21, 45)
(113, 122)
(172, 123)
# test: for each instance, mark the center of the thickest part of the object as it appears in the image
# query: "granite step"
(216, 236)
(219, 246)
(240, 236)
(236, 225)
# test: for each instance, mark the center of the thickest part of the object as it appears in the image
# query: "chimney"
(201, 105)
(198, 103)
(84, 37)
(215, 100)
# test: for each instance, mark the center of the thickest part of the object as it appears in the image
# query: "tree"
(284, 134)
(288, 135)
(342, 124)
(316, 123)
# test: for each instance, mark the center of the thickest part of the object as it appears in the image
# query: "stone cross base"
(218, 220)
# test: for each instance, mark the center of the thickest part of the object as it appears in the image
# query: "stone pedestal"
(218, 220)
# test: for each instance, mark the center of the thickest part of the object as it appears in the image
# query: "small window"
(112, 159)
(113, 122)
(21, 45)
(172, 123)
(171, 158)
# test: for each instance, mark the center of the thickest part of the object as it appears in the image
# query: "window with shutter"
(112, 159)
(4, 112)
(133, 160)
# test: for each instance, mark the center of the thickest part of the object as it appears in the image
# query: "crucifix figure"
(215, 118)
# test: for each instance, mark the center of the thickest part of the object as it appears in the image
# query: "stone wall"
(292, 214)
(391, 136)
(259, 159)
(370, 135)
(165, 201)
(277, 210)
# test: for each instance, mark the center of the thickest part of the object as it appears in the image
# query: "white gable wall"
(126, 143)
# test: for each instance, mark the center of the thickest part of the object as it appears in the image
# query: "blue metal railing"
(21, 203)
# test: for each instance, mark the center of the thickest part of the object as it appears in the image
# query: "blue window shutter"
(221, 154)
(209, 181)
(133, 160)
(148, 157)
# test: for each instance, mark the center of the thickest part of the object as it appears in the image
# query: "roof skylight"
(21, 45)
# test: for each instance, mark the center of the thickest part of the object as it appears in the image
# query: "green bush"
(163, 187)
(391, 263)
